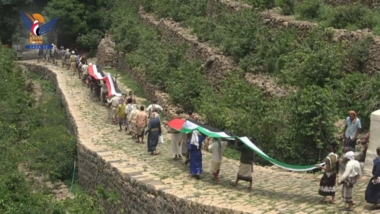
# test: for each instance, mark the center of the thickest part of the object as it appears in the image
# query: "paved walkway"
(274, 190)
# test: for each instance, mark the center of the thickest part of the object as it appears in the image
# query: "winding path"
(274, 190)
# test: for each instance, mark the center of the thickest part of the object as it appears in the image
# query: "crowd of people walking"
(139, 122)
(349, 168)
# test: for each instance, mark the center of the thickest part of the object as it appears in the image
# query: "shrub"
(90, 41)
(29, 132)
(287, 6)
(263, 4)
(358, 53)
(287, 128)
(317, 62)
(356, 15)
(309, 9)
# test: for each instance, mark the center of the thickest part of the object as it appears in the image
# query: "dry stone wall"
(273, 19)
(215, 64)
(370, 3)
(135, 196)
(151, 92)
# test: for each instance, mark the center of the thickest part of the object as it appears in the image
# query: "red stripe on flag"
(106, 79)
(91, 71)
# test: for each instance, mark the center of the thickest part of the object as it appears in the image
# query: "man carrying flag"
(217, 148)
(114, 101)
(246, 164)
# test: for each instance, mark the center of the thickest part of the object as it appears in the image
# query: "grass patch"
(125, 78)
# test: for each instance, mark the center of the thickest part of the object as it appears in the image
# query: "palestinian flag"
(96, 72)
(285, 166)
(189, 125)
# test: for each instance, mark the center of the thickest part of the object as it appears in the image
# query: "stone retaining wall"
(369, 3)
(151, 92)
(215, 64)
(135, 196)
(273, 19)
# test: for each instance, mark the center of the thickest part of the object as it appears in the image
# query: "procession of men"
(139, 122)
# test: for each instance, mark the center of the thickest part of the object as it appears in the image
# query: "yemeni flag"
(96, 72)
(189, 125)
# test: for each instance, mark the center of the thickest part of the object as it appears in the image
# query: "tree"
(81, 22)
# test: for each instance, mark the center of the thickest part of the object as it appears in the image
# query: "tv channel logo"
(33, 24)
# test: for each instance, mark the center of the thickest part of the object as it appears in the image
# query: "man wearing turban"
(349, 178)
(351, 131)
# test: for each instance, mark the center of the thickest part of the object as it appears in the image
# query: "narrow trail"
(274, 190)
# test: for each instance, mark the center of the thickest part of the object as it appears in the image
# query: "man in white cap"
(349, 178)
(67, 58)
(73, 62)
(114, 101)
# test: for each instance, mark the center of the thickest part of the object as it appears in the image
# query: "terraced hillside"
(201, 53)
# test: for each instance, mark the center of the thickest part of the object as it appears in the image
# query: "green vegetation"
(287, 128)
(81, 24)
(352, 16)
(37, 137)
(322, 71)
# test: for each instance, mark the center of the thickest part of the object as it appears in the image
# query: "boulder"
(107, 55)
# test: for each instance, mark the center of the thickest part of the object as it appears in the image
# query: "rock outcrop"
(106, 55)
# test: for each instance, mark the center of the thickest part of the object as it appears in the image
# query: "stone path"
(274, 190)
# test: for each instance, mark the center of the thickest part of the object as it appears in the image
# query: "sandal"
(349, 209)
(232, 184)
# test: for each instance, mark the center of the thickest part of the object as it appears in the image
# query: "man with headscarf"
(154, 131)
(153, 107)
(351, 131)
(195, 153)
(349, 178)
(217, 148)
(132, 120)
(73, 66)
(246, 164)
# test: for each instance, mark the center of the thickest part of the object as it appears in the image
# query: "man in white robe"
(154, 108)
(216, 147)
